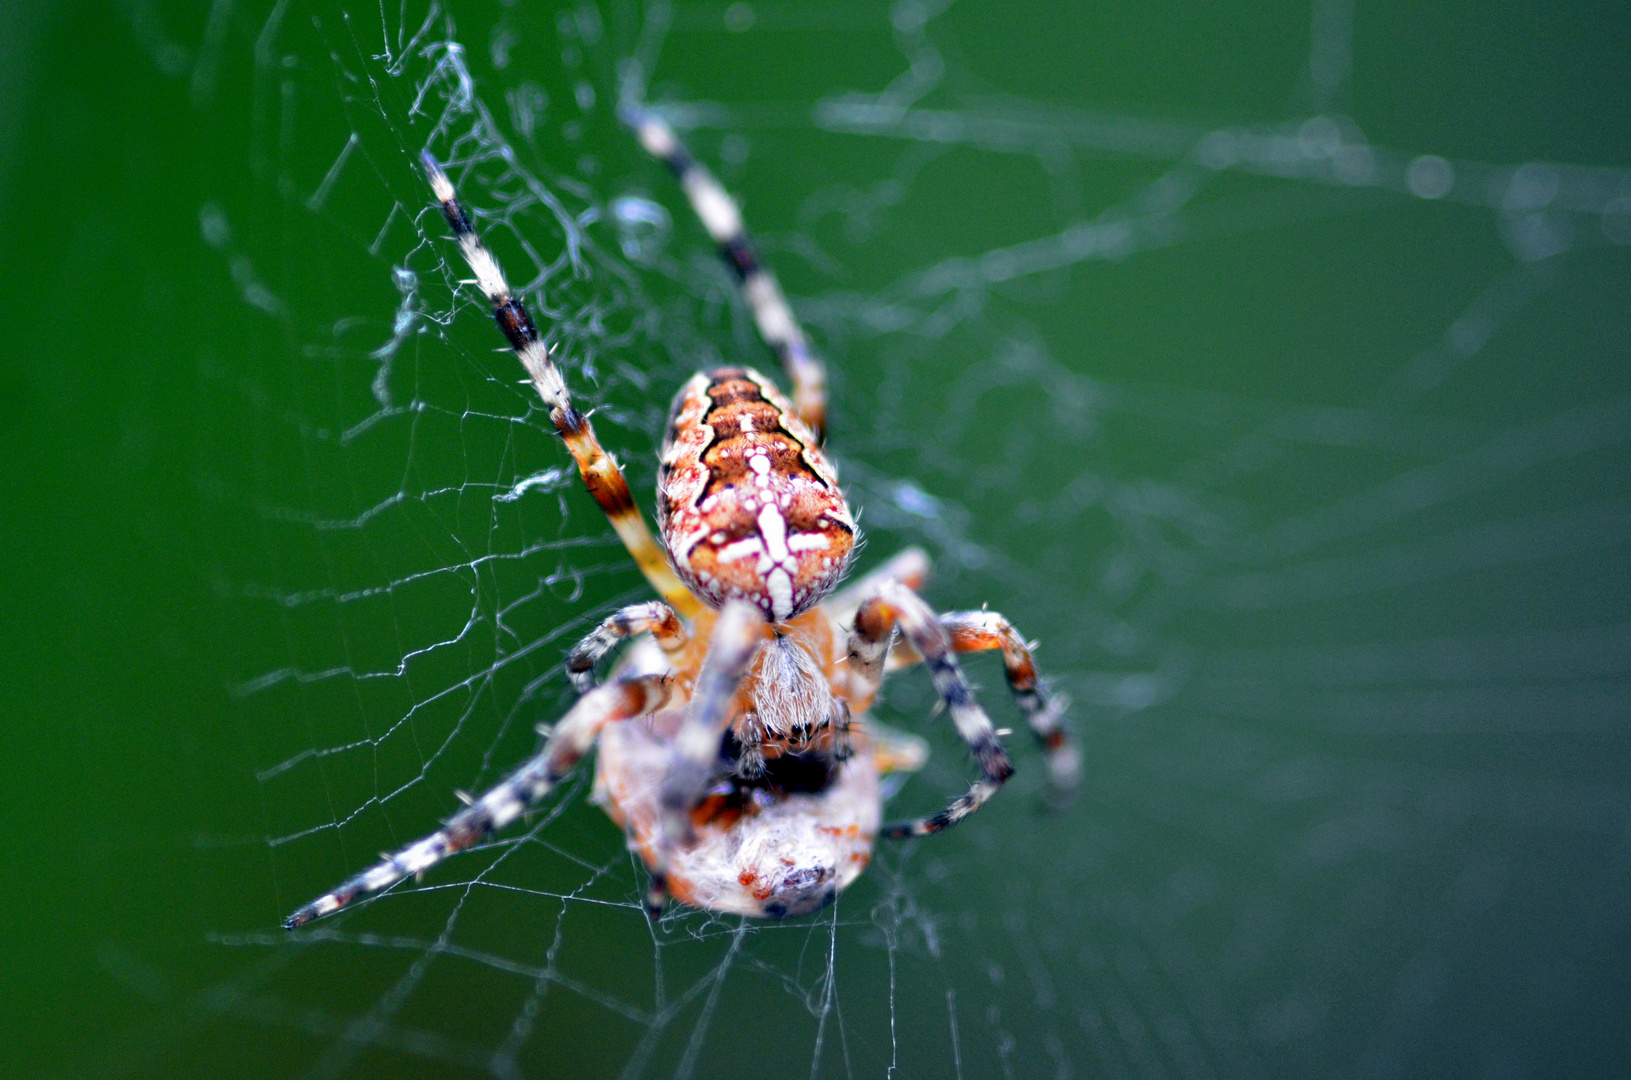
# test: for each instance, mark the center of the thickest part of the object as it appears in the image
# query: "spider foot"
(656, 897)
(1064, 756)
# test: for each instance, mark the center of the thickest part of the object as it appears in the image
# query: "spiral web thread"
(424, 559)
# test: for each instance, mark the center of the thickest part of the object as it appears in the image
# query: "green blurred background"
(1268, 362)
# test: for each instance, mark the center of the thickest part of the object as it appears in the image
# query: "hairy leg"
(910, 566)
(567, 743)
(977, 631)
(653, 617)
(736, 636)
(600, 472)
(720, 216)
(869, 644)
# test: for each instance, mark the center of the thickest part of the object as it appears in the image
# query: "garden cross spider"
(750, 783)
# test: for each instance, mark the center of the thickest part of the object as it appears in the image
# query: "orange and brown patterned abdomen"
(747, 505)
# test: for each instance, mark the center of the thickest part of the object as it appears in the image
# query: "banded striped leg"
(723, 220)
(696, 750)
(600, 473)
(976, 631)
(566, 745)
(869, 645)
(869, 659)
(909, 566)
(653, 617)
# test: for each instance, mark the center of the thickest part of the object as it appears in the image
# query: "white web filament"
(431, 559)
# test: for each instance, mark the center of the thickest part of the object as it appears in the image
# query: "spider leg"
(653, 617)
(566, 745)
(843, 744)
(600, 472)
(736, 637)
(909, 566)
(895, 751)
(976, 631)
(723, 220)
(869, 644)
(750, 733)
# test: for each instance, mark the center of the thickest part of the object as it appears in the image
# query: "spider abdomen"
(748, 506)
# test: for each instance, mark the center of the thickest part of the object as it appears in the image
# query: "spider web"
(1343, 618)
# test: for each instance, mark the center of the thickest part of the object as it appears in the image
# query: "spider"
(733, 743)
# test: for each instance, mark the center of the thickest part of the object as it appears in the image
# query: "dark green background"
(1346, 623)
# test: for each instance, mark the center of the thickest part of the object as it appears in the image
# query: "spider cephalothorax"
(733, 743)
